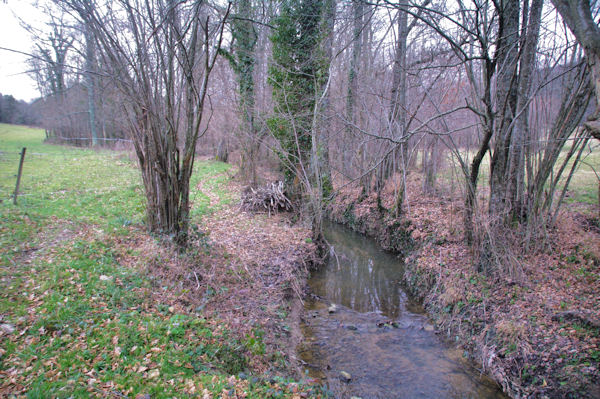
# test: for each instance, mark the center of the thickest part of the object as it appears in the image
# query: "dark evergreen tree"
(296, 75)
(15, 111)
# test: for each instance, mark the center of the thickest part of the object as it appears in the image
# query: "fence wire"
(9, 164)
(55, 160)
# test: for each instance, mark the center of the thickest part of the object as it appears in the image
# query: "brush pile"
(269, 198)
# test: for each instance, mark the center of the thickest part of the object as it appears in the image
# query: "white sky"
(13, 79)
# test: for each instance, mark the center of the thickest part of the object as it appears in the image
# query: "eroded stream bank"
(377, 333)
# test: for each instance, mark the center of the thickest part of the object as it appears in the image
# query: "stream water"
(377, 334)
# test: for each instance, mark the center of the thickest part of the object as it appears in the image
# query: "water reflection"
(360, 275)
(403, 359)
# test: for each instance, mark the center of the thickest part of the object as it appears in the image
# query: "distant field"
(96, 186)
(582, 189)
(68, 182)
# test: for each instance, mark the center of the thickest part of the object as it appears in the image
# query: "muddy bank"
(366, 216)
(258, 283)
(512, 328)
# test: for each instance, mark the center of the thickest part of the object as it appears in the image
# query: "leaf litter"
(535, 332)
(122, 314)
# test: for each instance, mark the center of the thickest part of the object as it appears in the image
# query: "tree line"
(16, 112)
(500, 94)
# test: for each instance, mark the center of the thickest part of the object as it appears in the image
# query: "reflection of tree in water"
(362, 276)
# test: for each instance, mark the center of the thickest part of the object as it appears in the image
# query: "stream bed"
(358, 320)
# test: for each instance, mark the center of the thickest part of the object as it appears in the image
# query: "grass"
(87, 323)
(100, 187)
(583, 187)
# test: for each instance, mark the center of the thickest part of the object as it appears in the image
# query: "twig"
(197, 281)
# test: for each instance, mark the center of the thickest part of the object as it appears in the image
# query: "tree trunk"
(506, 104)
(397, 115)
(471, 183)
(90, 60)
(593, 123)
(573, 105)
(328, 24)
(357, 27)
(516, 162)
(398, 111)
(429, 166)
(243, 61)
(162, 70)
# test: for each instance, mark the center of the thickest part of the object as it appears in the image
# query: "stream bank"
(366, 337)
(513, 328)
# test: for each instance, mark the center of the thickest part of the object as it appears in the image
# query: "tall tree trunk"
(243, 61)
(328, 25)
(397, 116)
(574, 103)
(90, 61)
(506, 107)
(487, 123)
(516, 162)
(357, 29)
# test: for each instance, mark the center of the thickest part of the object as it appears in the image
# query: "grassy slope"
(87, 324)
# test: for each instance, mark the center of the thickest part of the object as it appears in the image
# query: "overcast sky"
(13, 79)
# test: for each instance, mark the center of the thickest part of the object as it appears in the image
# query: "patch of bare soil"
(56, 232)
(538, 335)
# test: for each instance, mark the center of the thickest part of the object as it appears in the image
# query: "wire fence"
(54, 158)
(14, 171)
(88, 139)
(7, 161)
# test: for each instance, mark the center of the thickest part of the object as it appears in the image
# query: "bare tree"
(52, 47)
(242, 58)
(506, 105)
(51, 51)
(496, 44)
(161, 54)
(358, 16)
(577, 14)
(90, 74)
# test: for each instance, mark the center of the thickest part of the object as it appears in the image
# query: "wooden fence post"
(19, 175)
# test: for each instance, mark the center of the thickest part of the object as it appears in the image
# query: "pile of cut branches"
(269, 198)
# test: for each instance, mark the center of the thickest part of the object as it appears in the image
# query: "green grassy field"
(583, 187)
(79, 184)
(85, 324)
(92, 186)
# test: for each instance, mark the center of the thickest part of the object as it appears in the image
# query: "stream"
(377, 333)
